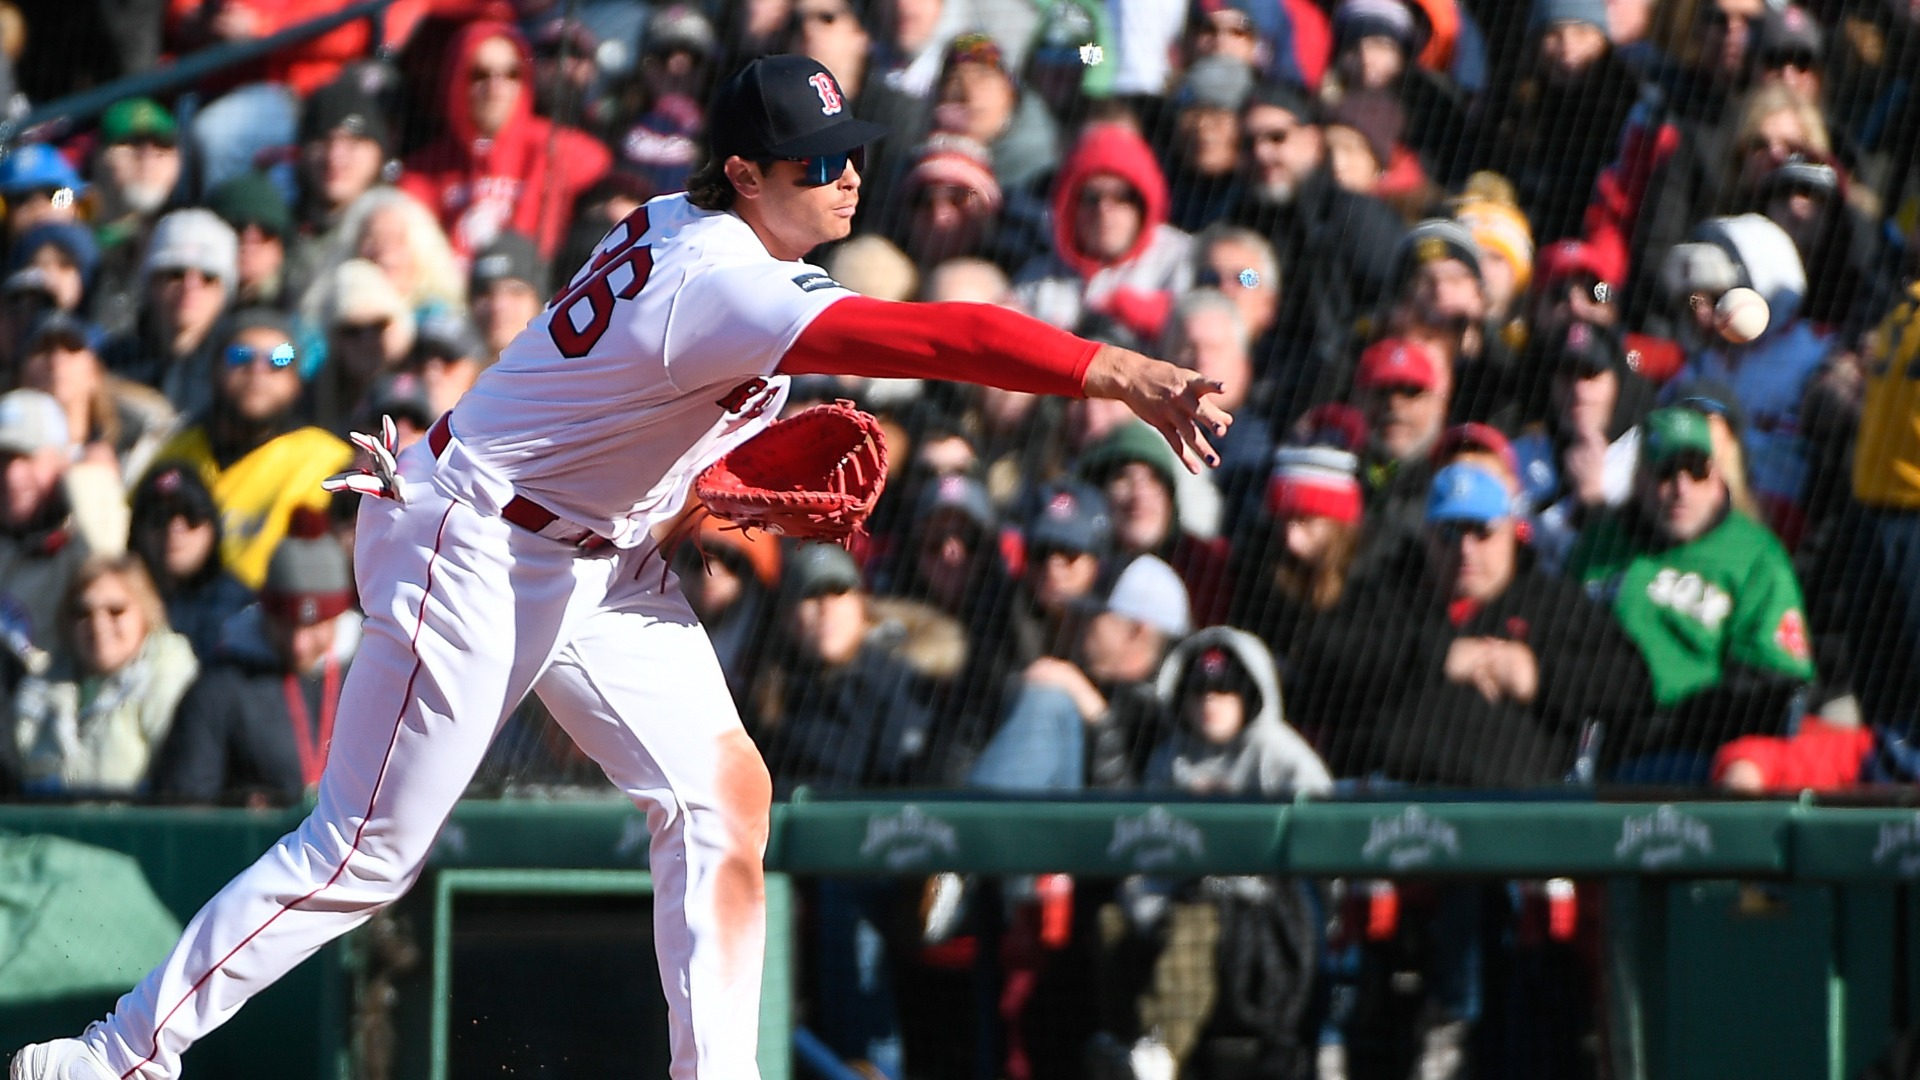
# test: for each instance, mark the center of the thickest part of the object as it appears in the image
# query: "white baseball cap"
(1149, 591)
(193, 239)
(31, 421)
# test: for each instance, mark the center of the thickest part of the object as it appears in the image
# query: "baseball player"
(511, 554)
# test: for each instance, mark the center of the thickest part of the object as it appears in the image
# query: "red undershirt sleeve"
(977, 343)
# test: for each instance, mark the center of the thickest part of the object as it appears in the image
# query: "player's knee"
(383, 876)
(745, 789)
(365, 870)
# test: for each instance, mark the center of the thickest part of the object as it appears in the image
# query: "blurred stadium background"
(1528, 695)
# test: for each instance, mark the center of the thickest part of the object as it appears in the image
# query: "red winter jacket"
(1115, 149)
(1312, 40)
(1820, 756)
(525, 178)
(304, 67)
(1137, 288)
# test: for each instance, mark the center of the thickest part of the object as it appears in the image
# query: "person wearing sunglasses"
(187, 277)
(1478, 670)
(39, 186)
(1493, 666)
(1791, 46)
(499, 166)
(518, 549)
(1288, 194)
(175, 531)
(93, 723)
(1114, 253)
(249, 448)
(832, 32)
(1708, 595)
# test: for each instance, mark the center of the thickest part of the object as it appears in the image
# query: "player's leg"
(640, 691)
(453, 640)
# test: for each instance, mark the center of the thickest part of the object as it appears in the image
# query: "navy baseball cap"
(1071, 517)
(785, 107)
(961, 494)
(69, 330)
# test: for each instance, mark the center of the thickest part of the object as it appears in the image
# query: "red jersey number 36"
(583, 312)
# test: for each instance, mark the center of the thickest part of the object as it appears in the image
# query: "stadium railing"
(1759, 939)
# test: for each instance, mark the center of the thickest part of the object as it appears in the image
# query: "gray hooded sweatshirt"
(1268, 758)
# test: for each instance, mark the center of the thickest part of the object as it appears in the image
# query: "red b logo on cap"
(830, 100)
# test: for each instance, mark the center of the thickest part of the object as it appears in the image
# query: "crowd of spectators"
(1402, 235)
(1502, 505)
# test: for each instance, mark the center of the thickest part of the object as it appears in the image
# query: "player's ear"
(744, 175)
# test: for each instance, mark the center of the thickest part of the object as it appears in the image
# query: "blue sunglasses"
(823, 169)
(279, 356)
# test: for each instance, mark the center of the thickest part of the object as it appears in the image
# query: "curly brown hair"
(709, 189)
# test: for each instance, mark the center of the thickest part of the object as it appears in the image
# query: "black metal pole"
(190, 69)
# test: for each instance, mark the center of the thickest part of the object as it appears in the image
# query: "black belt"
(522, 511)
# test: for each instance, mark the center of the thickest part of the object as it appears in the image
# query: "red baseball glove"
(814, 475)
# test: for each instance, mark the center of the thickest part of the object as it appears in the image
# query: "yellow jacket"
(1886, 453)
(258, 494)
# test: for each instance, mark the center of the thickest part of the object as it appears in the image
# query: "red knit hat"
(1315, 481)
(958, 161)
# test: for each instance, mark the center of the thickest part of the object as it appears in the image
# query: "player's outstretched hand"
(1170, 398)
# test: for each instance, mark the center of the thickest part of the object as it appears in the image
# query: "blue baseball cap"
(37, 167)
(1468, 492)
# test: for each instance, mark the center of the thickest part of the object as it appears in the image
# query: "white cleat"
(61, 1059)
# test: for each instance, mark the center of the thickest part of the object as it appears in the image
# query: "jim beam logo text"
(1899, 846)
(1156, 840)
(907, 839)
(1662, 838)
(1410, 838)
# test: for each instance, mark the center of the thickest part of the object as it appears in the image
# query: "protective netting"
(1568, 345)
(1574, 350)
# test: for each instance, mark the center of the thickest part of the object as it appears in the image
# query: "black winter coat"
(1552, 141)
(233, 736)
(1430, 730)
(867, 723)
(1335, 249)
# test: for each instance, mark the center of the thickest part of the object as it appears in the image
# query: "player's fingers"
(1196, 437)
(1212, 417)
(1206, 413)
(1178, 442)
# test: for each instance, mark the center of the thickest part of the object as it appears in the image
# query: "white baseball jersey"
(655, 360)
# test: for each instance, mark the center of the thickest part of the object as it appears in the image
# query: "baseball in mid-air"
(1741, 315)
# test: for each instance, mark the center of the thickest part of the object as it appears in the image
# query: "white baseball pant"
(465, 614)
